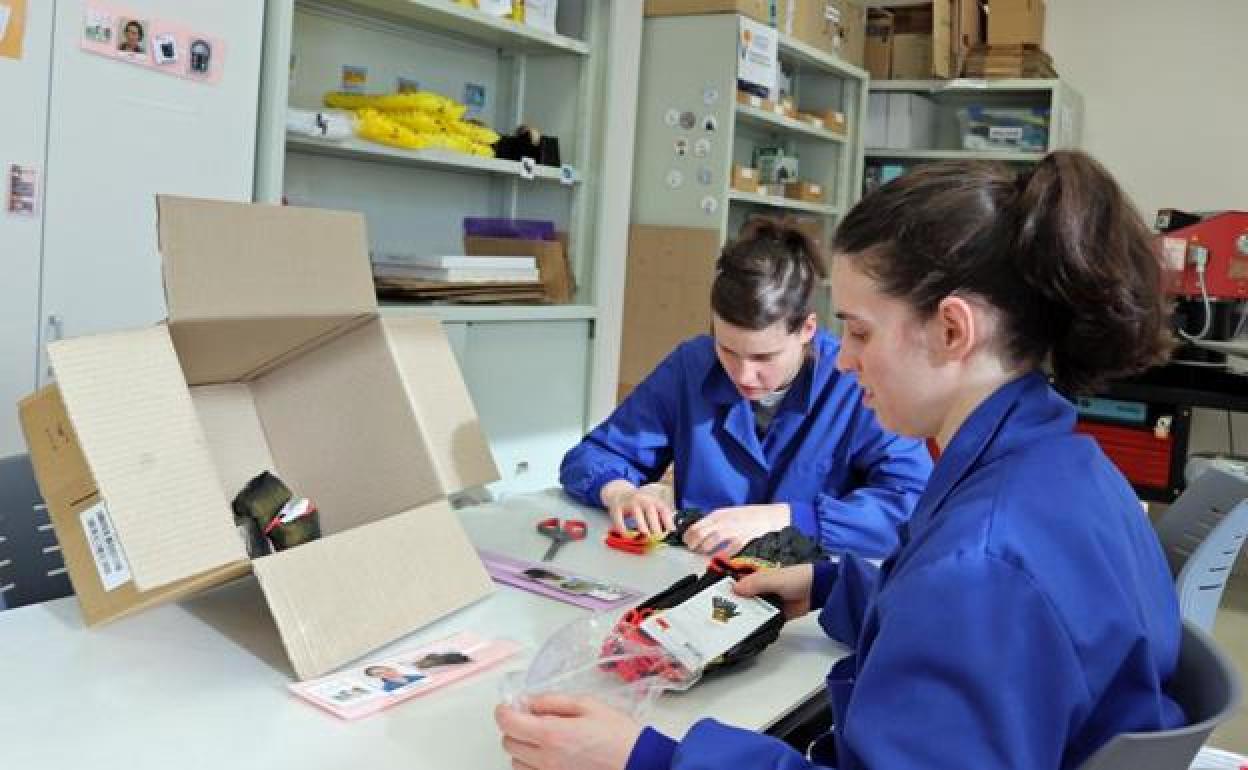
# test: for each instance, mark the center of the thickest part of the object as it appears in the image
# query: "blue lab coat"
(1027, 617)
(848, 482)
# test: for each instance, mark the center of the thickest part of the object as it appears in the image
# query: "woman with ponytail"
(1028, 615)
(763, 431)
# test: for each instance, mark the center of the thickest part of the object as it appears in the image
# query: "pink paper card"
(549, 579)
(364, 690)
(153, 43)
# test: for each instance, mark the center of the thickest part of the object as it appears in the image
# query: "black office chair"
(31, 567)
(1205, 685)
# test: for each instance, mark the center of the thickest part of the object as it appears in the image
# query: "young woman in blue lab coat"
(1028, 615)
(763, 430)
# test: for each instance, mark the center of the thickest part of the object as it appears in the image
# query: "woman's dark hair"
(768, 274)
(1059, 252)
(136, 25)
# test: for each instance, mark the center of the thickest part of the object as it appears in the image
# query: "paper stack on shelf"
(458, 278)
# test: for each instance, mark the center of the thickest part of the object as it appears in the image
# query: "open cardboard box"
(274, 357)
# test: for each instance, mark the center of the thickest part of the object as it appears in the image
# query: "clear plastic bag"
(590, 656)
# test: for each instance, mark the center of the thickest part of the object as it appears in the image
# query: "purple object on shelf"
(501, 227)
(555, 582)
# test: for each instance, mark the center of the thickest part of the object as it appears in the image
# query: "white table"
(203, 683)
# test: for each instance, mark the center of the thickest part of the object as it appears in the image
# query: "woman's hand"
(651, 514)
(791, 584)
(563, 732)
(726, 531)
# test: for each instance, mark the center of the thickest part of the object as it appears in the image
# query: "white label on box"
(702, 628)
(110, 560)
(1175, 253)
(1005, 133)
(757, 47)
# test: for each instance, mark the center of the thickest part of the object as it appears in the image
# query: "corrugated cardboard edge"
(444, 409)
(68, 488)
(131, 410)
(338, 598)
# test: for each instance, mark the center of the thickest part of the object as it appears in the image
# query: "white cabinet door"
(121, 134)
(529, 383)
(24, 83)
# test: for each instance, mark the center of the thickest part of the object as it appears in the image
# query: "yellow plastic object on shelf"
(416, 121)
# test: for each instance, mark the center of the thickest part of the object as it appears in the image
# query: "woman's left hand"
(726, 531)
(563, 732)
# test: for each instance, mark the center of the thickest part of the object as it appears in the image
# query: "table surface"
(204, 682)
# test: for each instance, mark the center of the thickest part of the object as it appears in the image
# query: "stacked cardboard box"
(921, 41)
(1014, 60)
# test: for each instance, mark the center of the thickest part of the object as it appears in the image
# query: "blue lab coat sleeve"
(844, 591)
(634, 443)
(893, 472)
(1001, 682)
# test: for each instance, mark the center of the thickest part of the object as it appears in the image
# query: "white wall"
(1165, 87)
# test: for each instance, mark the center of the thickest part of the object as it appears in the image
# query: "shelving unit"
(690, 67)
(1064, 104)
(362, 150)
(531, 369)
(788, 204)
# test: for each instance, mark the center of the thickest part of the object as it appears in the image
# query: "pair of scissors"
(561, 531)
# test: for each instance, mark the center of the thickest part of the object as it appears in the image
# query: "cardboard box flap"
(139, 432)
(223, 351)
(444, 409)
(336, 599)
(364, 456)
(244, 261)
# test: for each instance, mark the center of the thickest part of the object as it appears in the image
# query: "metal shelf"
(759, 117)
(782, 203)
(807, 54)
(965, 85)
(999, 155)
(444, 160)
(475, 25)
(485, 313)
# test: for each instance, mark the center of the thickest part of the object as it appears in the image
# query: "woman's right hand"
(651, 514)
(791, 584)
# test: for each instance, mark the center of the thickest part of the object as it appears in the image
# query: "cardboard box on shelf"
(927, 41)
(834, 121)
(804, 191)
(878, 48)
(786, 107)
(666, 295)
(1016, 21)
(274, 357)
(744, 178)
(755, 101)
(552, 261)
(759, 10)
(835, 26)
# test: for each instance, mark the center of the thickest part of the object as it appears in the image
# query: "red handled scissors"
(561, 531)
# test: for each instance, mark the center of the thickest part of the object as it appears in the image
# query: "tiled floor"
(1231, 630)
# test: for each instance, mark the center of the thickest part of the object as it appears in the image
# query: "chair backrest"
(1205, 685)
(1202, 533)
(31, 567)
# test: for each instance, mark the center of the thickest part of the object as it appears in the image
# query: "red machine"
(1220, 243)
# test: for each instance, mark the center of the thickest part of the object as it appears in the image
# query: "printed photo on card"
(132, 38)
(98, 27)
(362, 690)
